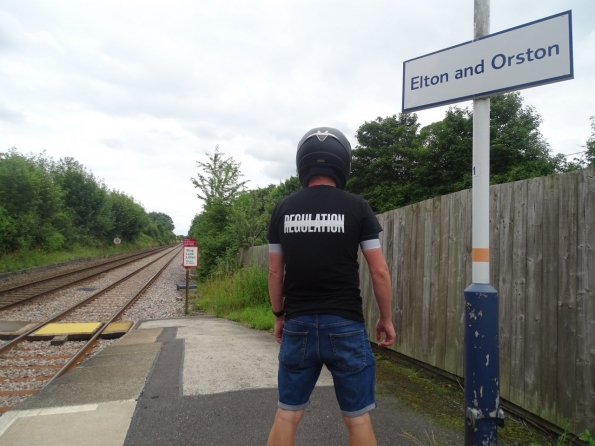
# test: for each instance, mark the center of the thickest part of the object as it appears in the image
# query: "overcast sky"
(138, 91)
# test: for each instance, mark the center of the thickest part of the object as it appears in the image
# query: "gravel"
(161, 300)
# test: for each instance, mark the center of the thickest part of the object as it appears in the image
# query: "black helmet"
(324, 151)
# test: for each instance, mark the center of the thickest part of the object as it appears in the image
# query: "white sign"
(190, 257)
(533, 54)
(117, 241)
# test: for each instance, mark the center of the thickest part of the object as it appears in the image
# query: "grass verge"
(443, 401)
(242, 296)
(29, 259)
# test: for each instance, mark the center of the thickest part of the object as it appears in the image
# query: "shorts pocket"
(293, 349)
(349, 350)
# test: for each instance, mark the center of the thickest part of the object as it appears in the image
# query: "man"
(314, 237)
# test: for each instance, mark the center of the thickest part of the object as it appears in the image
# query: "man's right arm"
(276, 269)
(383, 291)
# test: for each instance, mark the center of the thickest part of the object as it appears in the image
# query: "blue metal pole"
(482, 366)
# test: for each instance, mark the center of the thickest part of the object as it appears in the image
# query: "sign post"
(537, 53)
(483, 413)
(189, 260)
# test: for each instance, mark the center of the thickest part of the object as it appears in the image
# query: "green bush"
(55, 206)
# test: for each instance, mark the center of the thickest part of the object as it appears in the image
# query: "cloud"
(112, 143)
(10, 115)
(137, 91)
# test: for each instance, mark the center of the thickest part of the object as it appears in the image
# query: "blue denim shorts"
(342, 346)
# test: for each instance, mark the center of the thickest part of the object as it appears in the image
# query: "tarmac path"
(190, 381)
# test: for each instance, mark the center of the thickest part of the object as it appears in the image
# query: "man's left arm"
(381, 284)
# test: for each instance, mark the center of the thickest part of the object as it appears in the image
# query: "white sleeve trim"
(370, 244)
(275, 247)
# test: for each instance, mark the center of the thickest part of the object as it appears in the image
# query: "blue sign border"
(501, 90)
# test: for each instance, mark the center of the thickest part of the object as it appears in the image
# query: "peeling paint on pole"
(482, 391)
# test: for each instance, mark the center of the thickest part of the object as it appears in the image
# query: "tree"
(211, 229)
(394, 165)
(219, 180)
(129, 218)
(444, 156)
(518, 150)
(31, 209)
(219, 186)
(160, 227)
(85, 199)
(282, 190)
(249, 218)
(590, 146)
(163, 220)
(381, 170)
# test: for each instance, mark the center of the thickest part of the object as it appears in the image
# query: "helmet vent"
(321, 135)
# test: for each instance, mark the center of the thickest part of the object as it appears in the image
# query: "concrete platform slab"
(140, 337)
(116, 330)
(91, 425)
(223, 356)
(117, 373)
(6, 326)
(12, 329)
(118, 326)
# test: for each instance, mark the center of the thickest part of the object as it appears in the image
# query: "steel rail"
(67, 273)
(85, 349)
(9, 345)
(45, 378)
(130, 259)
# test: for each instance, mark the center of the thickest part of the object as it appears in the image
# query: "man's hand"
(278, 331)
(386, 327)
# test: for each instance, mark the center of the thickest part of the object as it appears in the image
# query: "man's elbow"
(380, 273)
(274, 274)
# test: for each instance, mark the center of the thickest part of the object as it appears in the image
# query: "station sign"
(529, 55)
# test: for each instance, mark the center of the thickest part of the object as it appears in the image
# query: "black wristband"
(279, 313)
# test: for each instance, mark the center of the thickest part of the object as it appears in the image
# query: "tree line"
(395, 163)
(55, 205)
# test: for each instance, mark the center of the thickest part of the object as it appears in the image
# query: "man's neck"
(321, 180)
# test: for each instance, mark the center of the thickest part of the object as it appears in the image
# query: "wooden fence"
(542, 262)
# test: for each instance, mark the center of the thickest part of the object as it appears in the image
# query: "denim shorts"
(340, 344)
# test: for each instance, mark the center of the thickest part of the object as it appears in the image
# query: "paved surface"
(192, 381)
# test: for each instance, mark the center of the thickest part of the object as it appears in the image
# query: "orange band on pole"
(481, 255)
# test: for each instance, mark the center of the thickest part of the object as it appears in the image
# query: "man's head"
(324, 151)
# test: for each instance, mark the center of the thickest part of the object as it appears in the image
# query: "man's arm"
(383, 292)
(276, 269)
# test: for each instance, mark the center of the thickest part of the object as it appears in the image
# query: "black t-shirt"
(319, 229)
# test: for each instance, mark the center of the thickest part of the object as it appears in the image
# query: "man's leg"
(284, 427)
(360, 430)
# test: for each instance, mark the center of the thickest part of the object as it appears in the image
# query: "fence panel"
(567, 255)
(534, 320)
(549, 298)
(585, 302)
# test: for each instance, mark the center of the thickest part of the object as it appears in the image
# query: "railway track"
(16, 295)
(31, 361)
